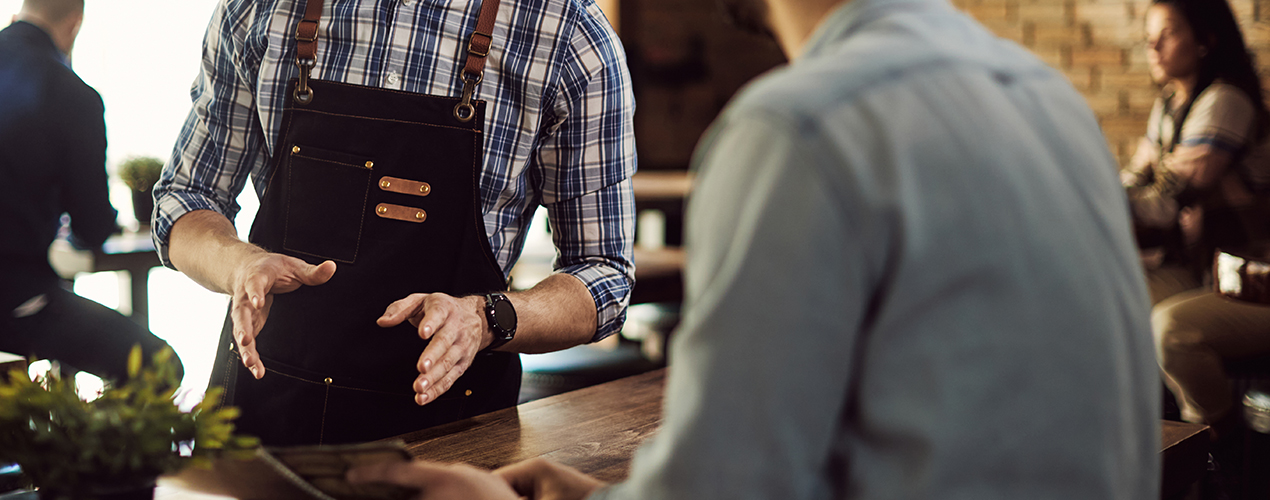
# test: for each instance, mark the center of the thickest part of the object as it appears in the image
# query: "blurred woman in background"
(1198, 182)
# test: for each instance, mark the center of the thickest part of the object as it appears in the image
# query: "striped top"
(559, 129)
(1222, 117)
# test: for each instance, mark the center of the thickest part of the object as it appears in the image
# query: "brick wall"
(1099, 45)
(687, 62)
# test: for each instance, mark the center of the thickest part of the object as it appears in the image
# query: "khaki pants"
(1195, 330)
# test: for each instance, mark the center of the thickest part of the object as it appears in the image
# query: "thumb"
(317, 275)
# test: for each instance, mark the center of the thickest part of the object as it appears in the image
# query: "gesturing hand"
(458, 331)
(254, 287)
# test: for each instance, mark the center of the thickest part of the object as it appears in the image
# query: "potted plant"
(141, 173)
(116, 445)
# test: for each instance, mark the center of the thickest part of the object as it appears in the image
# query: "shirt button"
(407, 2)
(393, 78)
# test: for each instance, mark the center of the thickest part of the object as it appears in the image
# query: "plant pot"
(143, 206)
(142, 491)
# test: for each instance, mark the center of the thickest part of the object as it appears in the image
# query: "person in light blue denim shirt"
(911, 274)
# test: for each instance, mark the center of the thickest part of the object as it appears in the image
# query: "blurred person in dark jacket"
(52, 161)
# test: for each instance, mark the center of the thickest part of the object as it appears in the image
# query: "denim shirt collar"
(852, 15)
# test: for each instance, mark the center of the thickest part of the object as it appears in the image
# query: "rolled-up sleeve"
(587, 158)
(221, 142)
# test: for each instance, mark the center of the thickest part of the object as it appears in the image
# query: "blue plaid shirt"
(559, 120)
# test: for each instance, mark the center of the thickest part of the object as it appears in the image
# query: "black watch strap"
(501, 317)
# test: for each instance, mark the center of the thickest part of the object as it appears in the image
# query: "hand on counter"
(458, 330)
(254, 287)
(536, 479)
(542, 479)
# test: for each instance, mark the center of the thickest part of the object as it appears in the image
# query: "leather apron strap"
(384, 183)
(478, 45)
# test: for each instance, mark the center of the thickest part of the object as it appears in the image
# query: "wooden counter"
(597, 430)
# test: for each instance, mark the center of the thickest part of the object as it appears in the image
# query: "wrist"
(500, 316)
(477, 303)
(245, 257)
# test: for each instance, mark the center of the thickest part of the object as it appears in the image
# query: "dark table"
(1184, 453)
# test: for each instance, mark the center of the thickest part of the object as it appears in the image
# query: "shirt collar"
(853, 14)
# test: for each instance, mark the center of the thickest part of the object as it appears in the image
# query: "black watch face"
(505, 315)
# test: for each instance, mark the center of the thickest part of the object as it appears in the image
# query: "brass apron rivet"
(370, 164)
(384, 183)
(467, 392)
(425, 189)
(328, 380)
(420, 215)
(382, 210)
(231, 346)
(295, 149)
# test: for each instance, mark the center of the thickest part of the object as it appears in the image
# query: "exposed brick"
(1079, 79)
(1127, 127)
(1099, 46)
(1051, 35)
(1005, 29)
(1100, 56)
(1104, 104)
(1041, 11)
(1105, 14)
(1135, 81)
(987, 12)
(1052, 56)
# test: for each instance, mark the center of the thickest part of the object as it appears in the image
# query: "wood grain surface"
(595, 430)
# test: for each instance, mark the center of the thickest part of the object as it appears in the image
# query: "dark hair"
(1214, 26)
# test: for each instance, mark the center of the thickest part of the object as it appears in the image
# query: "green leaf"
(134, 362)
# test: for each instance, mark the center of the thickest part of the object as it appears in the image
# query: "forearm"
(1139, 167)
(205, 246)
(556, 314)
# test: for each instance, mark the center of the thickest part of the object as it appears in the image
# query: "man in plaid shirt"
(557, 132)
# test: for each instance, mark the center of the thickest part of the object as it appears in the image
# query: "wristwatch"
(502, 319)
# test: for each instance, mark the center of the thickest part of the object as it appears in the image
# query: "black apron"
(384, 183)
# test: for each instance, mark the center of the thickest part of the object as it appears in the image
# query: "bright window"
(142, 56)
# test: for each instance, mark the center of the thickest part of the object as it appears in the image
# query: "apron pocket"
(325, 202)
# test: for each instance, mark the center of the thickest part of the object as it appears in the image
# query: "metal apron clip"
(464, 111)
(303, 93)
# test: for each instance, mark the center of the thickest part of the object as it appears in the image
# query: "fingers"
(439, 367)
(317, 275)
(524, 476)
(246, 326)
(253, 295)
(410, 308)
(539, 478)
(437, 309)
(456, 331)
